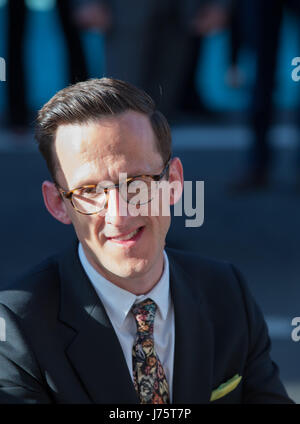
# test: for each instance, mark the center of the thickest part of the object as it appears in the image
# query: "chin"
(131, 268)
(128, 268)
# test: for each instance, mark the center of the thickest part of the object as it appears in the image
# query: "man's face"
(99, 151)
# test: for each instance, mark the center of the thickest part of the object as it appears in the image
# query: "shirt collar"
(118, 301)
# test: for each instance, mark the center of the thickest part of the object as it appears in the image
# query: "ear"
(176, 180)
(55, 203)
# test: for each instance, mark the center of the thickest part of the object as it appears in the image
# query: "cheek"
(165, 222)
(86, 227)
(96, 229)
(160, 226)
(97, 223)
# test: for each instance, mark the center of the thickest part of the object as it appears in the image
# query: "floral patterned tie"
(148, 374)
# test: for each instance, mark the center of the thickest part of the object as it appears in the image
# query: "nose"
(117, 210)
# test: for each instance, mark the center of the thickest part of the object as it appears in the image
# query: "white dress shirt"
(118, 302)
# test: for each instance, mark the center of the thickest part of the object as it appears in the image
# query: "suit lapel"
(192, 379)
(95, 351)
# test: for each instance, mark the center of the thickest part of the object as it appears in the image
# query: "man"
(18, 111)
(119, 318)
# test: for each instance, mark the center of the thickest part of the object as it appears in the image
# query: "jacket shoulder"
(31, 289)
(195, 264)
(215, 279)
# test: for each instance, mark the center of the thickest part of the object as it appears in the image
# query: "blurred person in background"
(234, 76)
(18, 113)
(268, 22)
(155, 44)
(206, 17)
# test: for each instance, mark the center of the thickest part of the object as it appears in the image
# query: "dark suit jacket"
(61, 347)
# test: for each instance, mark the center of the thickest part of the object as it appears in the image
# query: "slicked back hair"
(89, 101)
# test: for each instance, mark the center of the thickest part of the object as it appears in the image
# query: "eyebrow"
(92, 181)
(131, 175)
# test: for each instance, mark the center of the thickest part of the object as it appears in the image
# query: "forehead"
(125, 142)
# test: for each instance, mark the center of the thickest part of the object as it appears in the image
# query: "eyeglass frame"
(68, 194)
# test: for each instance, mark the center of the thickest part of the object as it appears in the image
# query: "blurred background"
(221, 71)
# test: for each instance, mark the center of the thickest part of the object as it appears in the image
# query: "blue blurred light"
(40, 5)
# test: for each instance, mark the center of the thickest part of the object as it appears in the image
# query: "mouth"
(128, 239)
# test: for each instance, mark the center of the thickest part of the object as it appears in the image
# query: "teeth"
(127, 237)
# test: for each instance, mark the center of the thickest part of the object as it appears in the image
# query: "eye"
(139, 182)
(88, 191)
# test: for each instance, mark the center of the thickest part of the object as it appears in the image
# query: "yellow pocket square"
(226, 387)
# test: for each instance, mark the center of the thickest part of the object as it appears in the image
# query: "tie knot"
(144, 313)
